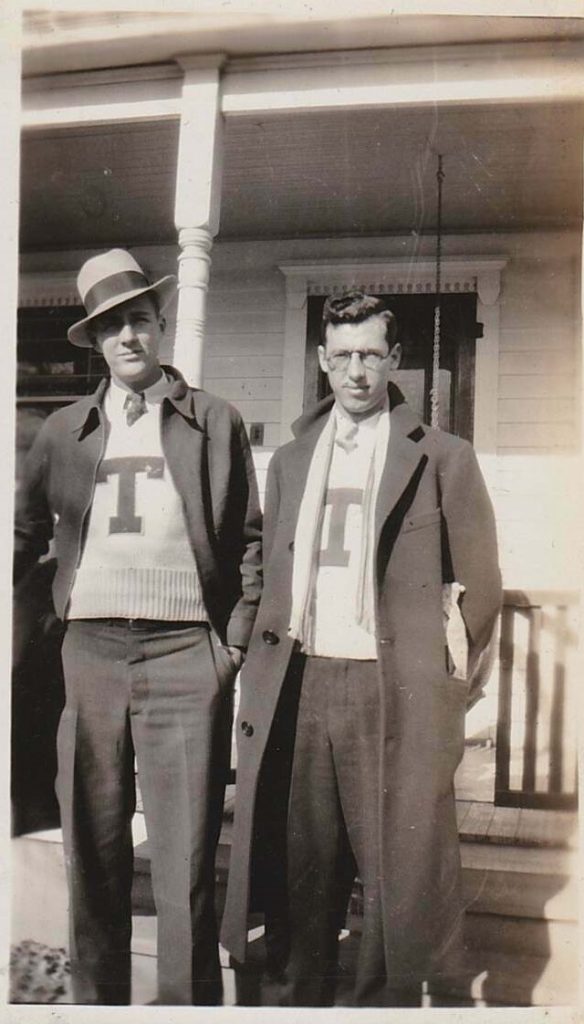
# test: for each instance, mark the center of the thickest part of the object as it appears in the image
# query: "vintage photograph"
(297, 574)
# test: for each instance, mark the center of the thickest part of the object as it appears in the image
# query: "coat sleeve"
(246, 525)
(271, 506)
(33, 519)
(471, 550)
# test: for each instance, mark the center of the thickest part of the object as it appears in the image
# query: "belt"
(144, 624)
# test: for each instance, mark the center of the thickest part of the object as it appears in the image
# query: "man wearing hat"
(147, 488)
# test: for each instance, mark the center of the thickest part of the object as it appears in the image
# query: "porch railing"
(536, 735)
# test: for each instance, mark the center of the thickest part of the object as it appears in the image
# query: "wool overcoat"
(434, 524)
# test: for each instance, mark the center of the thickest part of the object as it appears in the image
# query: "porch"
(268, 181)
(519, 862)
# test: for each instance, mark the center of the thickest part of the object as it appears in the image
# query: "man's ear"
(395, 356)
(322, 359)
(162, 324)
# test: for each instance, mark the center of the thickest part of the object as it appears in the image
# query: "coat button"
(247, 729)
(270, 638)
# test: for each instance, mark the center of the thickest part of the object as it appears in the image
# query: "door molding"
(480, 274)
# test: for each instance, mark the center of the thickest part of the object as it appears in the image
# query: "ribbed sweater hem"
(137, 593)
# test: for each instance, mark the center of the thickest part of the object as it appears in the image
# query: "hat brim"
(164, 290)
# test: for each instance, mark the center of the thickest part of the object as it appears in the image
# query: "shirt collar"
(85, 416)
(154, 394)
(365, 426)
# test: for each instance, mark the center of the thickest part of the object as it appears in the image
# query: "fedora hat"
(109, 279)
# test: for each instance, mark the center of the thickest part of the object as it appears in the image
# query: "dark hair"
(353, 308)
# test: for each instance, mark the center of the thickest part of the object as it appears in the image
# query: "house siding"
(538, 365)
(244, 347)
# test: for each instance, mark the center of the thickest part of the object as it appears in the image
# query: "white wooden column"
(197, 204)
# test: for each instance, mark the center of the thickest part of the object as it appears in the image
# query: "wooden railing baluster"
(503, 738)
(532, 684)
(555, 792)
(556, 763)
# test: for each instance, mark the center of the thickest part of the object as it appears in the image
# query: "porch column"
(197, 204)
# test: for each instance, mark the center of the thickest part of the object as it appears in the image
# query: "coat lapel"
(188, 475)
(403, 459)
(301, 453)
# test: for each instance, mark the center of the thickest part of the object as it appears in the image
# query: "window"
(50, 370)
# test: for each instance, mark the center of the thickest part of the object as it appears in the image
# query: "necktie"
(135, 406)
(346, 435)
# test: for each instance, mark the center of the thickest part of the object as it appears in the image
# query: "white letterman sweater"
(336, 631)
(137, 560)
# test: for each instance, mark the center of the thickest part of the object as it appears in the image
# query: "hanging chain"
(434, 391)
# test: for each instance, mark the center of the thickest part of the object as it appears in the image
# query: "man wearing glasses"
(351, 723)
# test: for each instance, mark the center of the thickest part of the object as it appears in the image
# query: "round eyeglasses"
(371, 360)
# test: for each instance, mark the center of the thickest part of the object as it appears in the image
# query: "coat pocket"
(416, 556)
(423, 519)
(224, 667)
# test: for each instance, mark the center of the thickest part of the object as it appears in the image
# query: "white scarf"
(309, 527)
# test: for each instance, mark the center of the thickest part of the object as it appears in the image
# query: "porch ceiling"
(66, 40)
(358, 172)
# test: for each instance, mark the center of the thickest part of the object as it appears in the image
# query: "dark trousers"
(333, 829)
(161, 693)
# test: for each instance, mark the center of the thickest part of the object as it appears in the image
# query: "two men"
(351, 723)
(147, 489)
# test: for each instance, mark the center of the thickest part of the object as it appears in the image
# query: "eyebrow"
(349, 351)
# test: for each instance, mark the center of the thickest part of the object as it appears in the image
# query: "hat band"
(109, 287)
